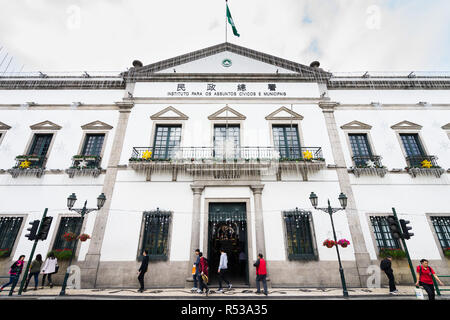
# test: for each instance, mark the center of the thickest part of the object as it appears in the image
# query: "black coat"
(144, 264)
(386, 265)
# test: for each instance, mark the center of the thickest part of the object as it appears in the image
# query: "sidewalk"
(405, 292)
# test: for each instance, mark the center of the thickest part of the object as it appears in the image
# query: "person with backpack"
(203, 278)
(425, 276)
(142, 270)
(14, 273)
(261, 274)
(35, 269)
(386, 266)
(50, 267)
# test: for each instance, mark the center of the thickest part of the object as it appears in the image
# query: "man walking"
(425, 276)
(223, 267)
(261, 274)
(142, 270)
(386, 266)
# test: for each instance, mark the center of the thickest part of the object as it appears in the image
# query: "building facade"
(222, 147)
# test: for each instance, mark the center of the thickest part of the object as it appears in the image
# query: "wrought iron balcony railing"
(86, 161)
(422, 161)
(226, 154)
(30, 161)
(367, 161)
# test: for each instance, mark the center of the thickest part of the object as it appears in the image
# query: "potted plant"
(83, 237)
(447, 252)
(329, 243)
(4, 253)
(61, 254)
(343, 243)
(394, 253)
(69, 236)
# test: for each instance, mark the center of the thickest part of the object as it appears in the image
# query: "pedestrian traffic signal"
(394, 227)
(405, 229)
(33, 229)
(45, 227)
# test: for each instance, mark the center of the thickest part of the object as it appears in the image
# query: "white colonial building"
(222, 147)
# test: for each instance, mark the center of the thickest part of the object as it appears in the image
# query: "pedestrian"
(195, 273)
(223, 268)
(142, 270)
(203, 274)
(14, 273)
(35, 269)
(386, 266)
(50, 267)
(242, 262)
(425, 276)
(261, 274)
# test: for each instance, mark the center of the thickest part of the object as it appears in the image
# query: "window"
(227, 140)
(286, 140)
(413, 149)
(383, 234)
(299, 235)
(442, 227)
(9, 228)
(360, 148)
(67, 224)
(39, 148)
(93, 144)
(167, 141)
(156, 234)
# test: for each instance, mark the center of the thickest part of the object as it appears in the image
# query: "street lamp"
(343, 200)
(83, 211)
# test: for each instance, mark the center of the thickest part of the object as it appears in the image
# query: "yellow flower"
(25, 164)
(147, 155)
(307, 155)
(426, 164)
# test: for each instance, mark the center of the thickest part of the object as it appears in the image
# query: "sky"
(107, 35)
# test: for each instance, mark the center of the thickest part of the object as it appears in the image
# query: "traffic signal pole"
(406, 250)
(30, 259)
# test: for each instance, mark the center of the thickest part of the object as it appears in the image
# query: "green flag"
(230, 20)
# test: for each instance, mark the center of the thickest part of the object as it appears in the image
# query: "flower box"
(4, 253)
(61, 254)
(394, 253)
(447, 252)
(329, 243)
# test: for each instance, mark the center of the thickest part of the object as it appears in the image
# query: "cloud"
(344, 35)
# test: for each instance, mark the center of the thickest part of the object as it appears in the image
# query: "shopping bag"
(419, 293)
(193, 269)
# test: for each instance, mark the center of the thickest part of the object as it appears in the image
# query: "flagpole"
(226, 20)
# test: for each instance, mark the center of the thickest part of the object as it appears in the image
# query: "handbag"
(419, 293)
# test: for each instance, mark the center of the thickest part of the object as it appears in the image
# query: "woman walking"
(425, 276)
(14, 273)
(35, 269)
(203, 278)
(50, 265)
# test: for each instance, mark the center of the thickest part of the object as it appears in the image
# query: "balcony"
(28, 165)
(423, 165)
(85, 165)
(226, 163)
(368, 165)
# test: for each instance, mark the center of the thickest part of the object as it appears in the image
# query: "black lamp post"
(83, 211)
(343, 200)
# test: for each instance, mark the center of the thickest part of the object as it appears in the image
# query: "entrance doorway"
(227, 229)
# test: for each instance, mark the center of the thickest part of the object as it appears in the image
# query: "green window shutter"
(383, 234)
(67, 224)
(156, 234)
(93, 144)
(286, 140)
(442, 228)
(167, 141)
(299, 235)
(9, 229)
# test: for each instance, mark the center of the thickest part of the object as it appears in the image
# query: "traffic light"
(405, 229)
(45, 227)
(33, 229)
(394, 226)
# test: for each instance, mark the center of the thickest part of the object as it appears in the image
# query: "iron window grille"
(156, 234)
(299, 235)
(67, 224)
(383, 234)
(442, 228)
(9, 229)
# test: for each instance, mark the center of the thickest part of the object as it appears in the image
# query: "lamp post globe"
(343, 200)
(314, 199)
(101, 201)
(71, 200)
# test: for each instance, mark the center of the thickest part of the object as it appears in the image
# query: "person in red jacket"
(203, 270)
(261, 274)
(425, 276)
